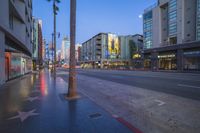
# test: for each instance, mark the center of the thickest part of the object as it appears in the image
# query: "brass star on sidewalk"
(31, 99)
(36, 91)
(24, 115)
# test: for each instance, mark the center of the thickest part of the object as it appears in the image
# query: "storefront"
(87, 65)
(16, 64)
(137, 61)
(191, 60)
(167, 61)
(115, 64)
(7, 65)
(147, 61)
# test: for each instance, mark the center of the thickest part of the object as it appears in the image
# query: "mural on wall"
(113, 47)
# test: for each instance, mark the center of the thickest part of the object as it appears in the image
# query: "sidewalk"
(35, 104)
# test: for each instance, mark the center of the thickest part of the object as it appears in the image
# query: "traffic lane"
(191, 82)
(167, 75)
(170, 86)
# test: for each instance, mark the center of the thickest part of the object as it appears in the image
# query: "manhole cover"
(95, 116)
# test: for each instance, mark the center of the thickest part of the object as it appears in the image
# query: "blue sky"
(93, 16)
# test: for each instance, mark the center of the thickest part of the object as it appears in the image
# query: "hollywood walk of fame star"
(37, 91)
(31, 99)
(24, 115)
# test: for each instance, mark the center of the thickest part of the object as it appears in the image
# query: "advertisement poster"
(113, 46)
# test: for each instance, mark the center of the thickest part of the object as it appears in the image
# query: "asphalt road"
(180, 84)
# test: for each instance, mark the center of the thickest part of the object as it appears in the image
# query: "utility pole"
(55, 9)
(55, 13)
(72, 88)
(52, 50)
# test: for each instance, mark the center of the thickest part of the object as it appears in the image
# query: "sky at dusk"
(93, 16)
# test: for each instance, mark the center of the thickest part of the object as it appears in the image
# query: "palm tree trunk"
(72, 72)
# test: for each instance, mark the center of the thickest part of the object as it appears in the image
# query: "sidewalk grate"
(95, 116)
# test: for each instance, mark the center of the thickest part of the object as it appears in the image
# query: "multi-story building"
(65, 51)
(78, 53)
(51, 52)
(172, 35)
(131, 47)
(58, 56)
(43, 50)
(37, 44)
(106, 50)
(47, 53)
(15, 38)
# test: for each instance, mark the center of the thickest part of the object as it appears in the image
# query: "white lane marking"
(160, 103)
(154, 76)
(182, 85)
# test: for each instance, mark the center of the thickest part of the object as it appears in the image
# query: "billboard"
(113, 46)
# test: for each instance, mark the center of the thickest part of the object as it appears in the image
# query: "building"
(132, 50)
(106, 50)
(51, 52)
(43, 50)
(58, 56)
(37, 44)
(172, 35)
(65, 51)
(15, 38)
(78, 53)
(47, 54)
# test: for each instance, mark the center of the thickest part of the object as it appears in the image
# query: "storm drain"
(95, 116)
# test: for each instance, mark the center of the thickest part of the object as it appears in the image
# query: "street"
(124, 66)
(180, 84)
(152, 101)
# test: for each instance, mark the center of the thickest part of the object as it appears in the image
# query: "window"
(172, 17)
(198, 21)
(11, 17)
(147, 27)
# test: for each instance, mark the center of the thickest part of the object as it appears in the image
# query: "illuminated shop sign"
(113, 46)
(192, 53)
(135, 56)
(167, 56)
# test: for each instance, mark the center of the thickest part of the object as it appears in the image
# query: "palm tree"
(72, 93)
(55, 9)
